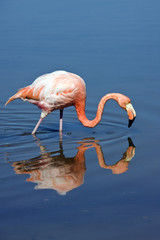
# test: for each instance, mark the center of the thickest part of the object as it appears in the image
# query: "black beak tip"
(131, 144)
(130, 122)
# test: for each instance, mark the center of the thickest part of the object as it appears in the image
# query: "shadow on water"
(53, 170)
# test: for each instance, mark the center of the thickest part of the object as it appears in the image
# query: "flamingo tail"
(22, 93)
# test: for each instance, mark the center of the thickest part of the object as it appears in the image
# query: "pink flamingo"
(61, 89)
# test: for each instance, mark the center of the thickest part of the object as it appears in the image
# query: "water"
(100, 183)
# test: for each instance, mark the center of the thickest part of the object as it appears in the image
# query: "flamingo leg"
(37, 125)
(43, 115)
(61, 120)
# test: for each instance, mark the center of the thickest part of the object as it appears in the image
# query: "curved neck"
(80, 108)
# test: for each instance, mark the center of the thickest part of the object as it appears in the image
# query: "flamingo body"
(61, 89)
(53, 91)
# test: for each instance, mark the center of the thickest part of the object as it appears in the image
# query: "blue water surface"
(100, 183)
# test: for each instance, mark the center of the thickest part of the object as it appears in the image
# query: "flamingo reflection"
(52, 170)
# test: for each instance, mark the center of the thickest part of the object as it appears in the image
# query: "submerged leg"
(43, 115)
(61, 120)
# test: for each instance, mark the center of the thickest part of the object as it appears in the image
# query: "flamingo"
(61, 89)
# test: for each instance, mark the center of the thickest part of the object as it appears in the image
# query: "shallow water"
(100, 183)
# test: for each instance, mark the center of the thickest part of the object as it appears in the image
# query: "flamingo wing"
(58, 89)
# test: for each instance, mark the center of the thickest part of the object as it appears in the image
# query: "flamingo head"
(125, 103)
(131, 114)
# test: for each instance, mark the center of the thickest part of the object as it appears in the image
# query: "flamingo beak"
(130, 122)
(131, 114)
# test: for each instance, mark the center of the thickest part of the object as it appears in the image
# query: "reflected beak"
(131, 114)
(131, 144)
